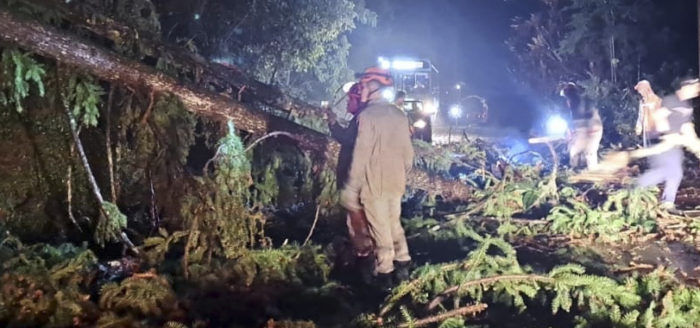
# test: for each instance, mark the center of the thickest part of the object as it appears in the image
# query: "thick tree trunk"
(222, 77)
(106, 65)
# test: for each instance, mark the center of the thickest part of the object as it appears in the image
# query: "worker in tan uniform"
(648, 105)
(382, 157)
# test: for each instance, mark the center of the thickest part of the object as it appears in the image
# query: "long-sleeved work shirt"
(383, 152)
(346, 137)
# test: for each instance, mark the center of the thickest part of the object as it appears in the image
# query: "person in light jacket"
(382, 157)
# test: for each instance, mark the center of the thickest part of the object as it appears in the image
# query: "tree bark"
(107, 65)
(222, 77)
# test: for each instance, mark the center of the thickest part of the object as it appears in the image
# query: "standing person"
(649, 102)
(400, 99)
(381, 159)
(670, 117)
(358, 227)
(587, 129)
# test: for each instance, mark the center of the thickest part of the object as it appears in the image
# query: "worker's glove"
(350, 199)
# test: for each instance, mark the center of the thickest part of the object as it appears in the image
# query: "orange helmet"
(376, 74)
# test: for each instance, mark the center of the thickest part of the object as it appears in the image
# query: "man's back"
(383, 151)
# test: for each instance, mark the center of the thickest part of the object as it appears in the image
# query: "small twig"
(463, 311)
(108, 144)
(148, 109)
(635, 267)
(269, 135)
(313, 226)
(240, 93)
(154, 211)
(69, 188)
(148, 274)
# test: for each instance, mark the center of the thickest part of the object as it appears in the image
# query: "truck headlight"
(556, 125)
(420, 124)
(429, 108)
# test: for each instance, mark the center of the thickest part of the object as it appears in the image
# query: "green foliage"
(624, 210)
(156, 247)
(148, 295)
(300, 46)
(432, 158)
(84, 97)
(42, 285)
(17, 71)
(290, 264)
(328, 196)
(110, 224)
(216, 216)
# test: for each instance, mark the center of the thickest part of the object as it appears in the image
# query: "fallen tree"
(107, 65)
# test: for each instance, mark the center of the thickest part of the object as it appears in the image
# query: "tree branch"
(463, 311)
(487, 281)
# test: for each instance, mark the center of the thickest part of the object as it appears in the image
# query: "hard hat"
(376, 74)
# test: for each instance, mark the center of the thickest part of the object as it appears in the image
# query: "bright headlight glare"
(556, 125)
(420, 124)
(429, 108)
(455, 111)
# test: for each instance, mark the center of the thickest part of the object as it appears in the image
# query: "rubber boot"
(401, 271)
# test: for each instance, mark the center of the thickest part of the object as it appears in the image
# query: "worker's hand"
(638, 130)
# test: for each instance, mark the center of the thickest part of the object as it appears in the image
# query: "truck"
(418, 78)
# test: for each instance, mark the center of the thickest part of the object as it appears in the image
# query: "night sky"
(465, 39)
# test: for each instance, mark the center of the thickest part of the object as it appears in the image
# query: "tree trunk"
(107, 65)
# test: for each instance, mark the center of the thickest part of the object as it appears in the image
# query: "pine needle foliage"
(44, 286)
(623, 210)
(148, 296)
(216, 215)
(288, 264)
(18, 71)
(155, 248)
(110, 224)
(491, 273)
(84, 97)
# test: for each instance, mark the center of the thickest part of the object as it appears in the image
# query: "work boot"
(384, 282)
(365, 267)
(401, 271)
(670, 208)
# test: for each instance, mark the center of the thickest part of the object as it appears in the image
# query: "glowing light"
(196, 16)
(388, 94)
(556, 125)
(406, 65)
(384, 63)
(420, 124)
(458, 86)
(428, 108)
(455, 111)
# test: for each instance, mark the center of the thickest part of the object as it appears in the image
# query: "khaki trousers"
(384, 218)
(585, 143)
